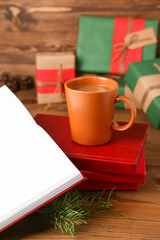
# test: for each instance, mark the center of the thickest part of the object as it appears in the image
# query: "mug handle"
(132, 107)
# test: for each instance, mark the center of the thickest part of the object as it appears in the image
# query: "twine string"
(157, 66)
(58, 88)
(121, 48)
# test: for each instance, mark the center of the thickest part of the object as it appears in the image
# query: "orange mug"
(91, 104)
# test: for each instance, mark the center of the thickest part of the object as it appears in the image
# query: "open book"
(33, 169)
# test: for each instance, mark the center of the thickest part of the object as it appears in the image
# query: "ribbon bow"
(122, 47)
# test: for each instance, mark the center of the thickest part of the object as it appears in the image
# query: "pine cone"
(26, 82)
(13, 83)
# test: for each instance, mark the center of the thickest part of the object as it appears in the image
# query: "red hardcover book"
(121, 155)
(108, 177)
(89, 185)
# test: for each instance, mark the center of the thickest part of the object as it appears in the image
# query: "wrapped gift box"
(143, 78)
(108, 45)
(125, 91)
(52, 71)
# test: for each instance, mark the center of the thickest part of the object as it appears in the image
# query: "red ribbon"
(120, 31)
(51, 76)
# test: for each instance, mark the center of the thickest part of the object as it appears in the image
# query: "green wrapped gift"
(143, 78)
(109, 45)
(125, 91)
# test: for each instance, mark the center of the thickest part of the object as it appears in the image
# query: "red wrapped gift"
(52, 71)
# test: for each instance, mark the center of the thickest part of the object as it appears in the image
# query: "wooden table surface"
(142, 205)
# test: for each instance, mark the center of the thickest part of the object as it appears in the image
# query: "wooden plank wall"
(30, 26)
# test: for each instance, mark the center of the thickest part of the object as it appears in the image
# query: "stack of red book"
(119, 164)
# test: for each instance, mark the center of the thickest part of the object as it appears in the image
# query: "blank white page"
(33, 169)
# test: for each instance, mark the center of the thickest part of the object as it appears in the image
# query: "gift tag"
(140, 38)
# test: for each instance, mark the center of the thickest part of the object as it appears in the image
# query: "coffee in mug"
(91, 88)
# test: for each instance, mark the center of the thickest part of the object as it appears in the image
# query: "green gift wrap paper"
(97, 40)
(125, 91)
(143, 78)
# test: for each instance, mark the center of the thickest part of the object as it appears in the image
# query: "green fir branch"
(108, 230)
(69, 211)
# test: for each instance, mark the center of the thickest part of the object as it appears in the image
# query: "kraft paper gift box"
(52, 71)
(108, 45)
(143, 78)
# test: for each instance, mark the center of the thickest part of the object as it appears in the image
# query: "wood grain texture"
(29, 26)
(143, 205)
